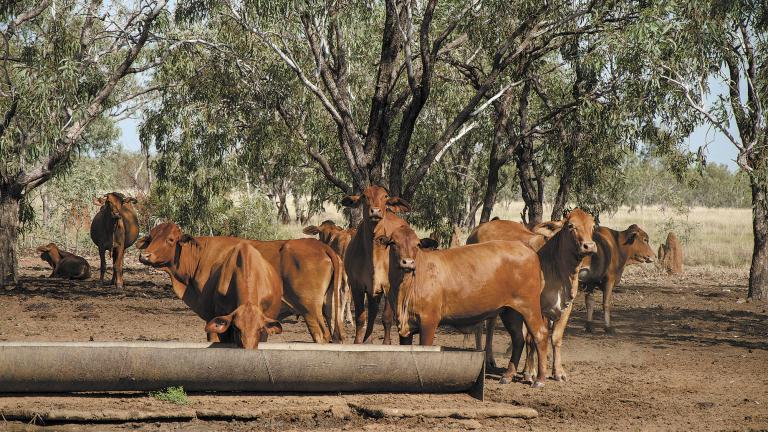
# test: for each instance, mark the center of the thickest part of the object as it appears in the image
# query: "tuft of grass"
(174, 395)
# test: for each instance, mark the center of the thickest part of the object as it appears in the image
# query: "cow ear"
(398, 205)
(131, 200)
(631, 237)
(351, 201)
(186, 238)
(273, 327)
(42, 249)
(219, 325)
(428, 243)
(311, 230)
(99, 201)
(143, 242)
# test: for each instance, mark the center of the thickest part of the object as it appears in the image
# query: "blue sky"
(718, 148)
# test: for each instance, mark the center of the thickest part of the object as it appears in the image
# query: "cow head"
(580, 225)
(325, 231)
(404, 245)
(375, 201)
(249, 324)
(114, 202)
(159, 248)
(49, 253)
(637, 245)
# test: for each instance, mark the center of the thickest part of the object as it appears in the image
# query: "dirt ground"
(690, 354)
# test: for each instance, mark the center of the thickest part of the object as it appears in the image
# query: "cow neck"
(55, 256)
(562, 257)
(620, 237)
(406, 296)
(186, 262)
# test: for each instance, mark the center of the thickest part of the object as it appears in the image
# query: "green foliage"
(174, 395)
(253, 218)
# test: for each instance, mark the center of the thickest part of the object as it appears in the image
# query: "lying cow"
(64, 264)
(463, 286)
(338, 239)
(114, 228)
(224, 280)
(615, 250)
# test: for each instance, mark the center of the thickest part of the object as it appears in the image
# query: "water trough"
(46, 367)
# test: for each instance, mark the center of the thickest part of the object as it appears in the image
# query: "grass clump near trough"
(174, 395)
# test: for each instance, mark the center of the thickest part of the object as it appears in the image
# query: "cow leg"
(589, 299)
(607, 303)
(346, 299)
(513, 322)
(490, 327)
(373, 311)
(558, 331)
(358, 296)
(316, 324)
(530, 347)
(427, 329)
(537, 327)
(479, 337)
(103, 261)
(117, 266)
(387, 318)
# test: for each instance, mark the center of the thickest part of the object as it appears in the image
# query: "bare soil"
(690, 354)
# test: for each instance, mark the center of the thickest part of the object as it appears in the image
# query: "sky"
(718, 148)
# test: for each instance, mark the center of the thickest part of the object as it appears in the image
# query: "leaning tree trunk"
(758, 272)
(531, 183)
(9, 233)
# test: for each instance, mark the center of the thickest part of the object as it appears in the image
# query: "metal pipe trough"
(45, 367)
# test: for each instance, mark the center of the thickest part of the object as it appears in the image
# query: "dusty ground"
(690, 354)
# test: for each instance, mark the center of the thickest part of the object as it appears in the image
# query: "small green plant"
(174, 395)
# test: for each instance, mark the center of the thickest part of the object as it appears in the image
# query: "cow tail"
(337, 312)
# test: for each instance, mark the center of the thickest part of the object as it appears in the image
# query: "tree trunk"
(491, 188)
(758, 272)
(9, 233)
(566, 179)
(282, 208)
(531, 185)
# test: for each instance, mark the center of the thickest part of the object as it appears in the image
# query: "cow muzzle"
(408, 264)
(588, 248)
(375, 214)
(145, 258)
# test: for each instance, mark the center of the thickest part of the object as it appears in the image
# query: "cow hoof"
(560, 377)
(505, 380)
(528, 378)
(537, 384)
(610, 331)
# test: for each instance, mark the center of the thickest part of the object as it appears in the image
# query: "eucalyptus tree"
(723, 42)
(64, 66)
(368, 87)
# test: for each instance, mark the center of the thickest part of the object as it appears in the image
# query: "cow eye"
(570, 226)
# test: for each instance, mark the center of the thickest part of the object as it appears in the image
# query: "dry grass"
(718, 237)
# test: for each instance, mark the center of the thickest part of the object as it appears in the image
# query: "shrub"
(174, 395)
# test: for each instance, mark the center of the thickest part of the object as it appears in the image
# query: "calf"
(65, 265)
(224, 280)
(615, 250)
(114, 228)
(463, 286)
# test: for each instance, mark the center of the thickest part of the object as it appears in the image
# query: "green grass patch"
(174, 395)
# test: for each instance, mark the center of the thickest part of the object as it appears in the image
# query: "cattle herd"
(526, 275)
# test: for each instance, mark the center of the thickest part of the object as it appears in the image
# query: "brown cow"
(560, 261)
(114, 228)
(463, 286)
(367, 261)
(224, 280)
(65, 265)
(312, 275)
(338, 239)
(615, 249)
